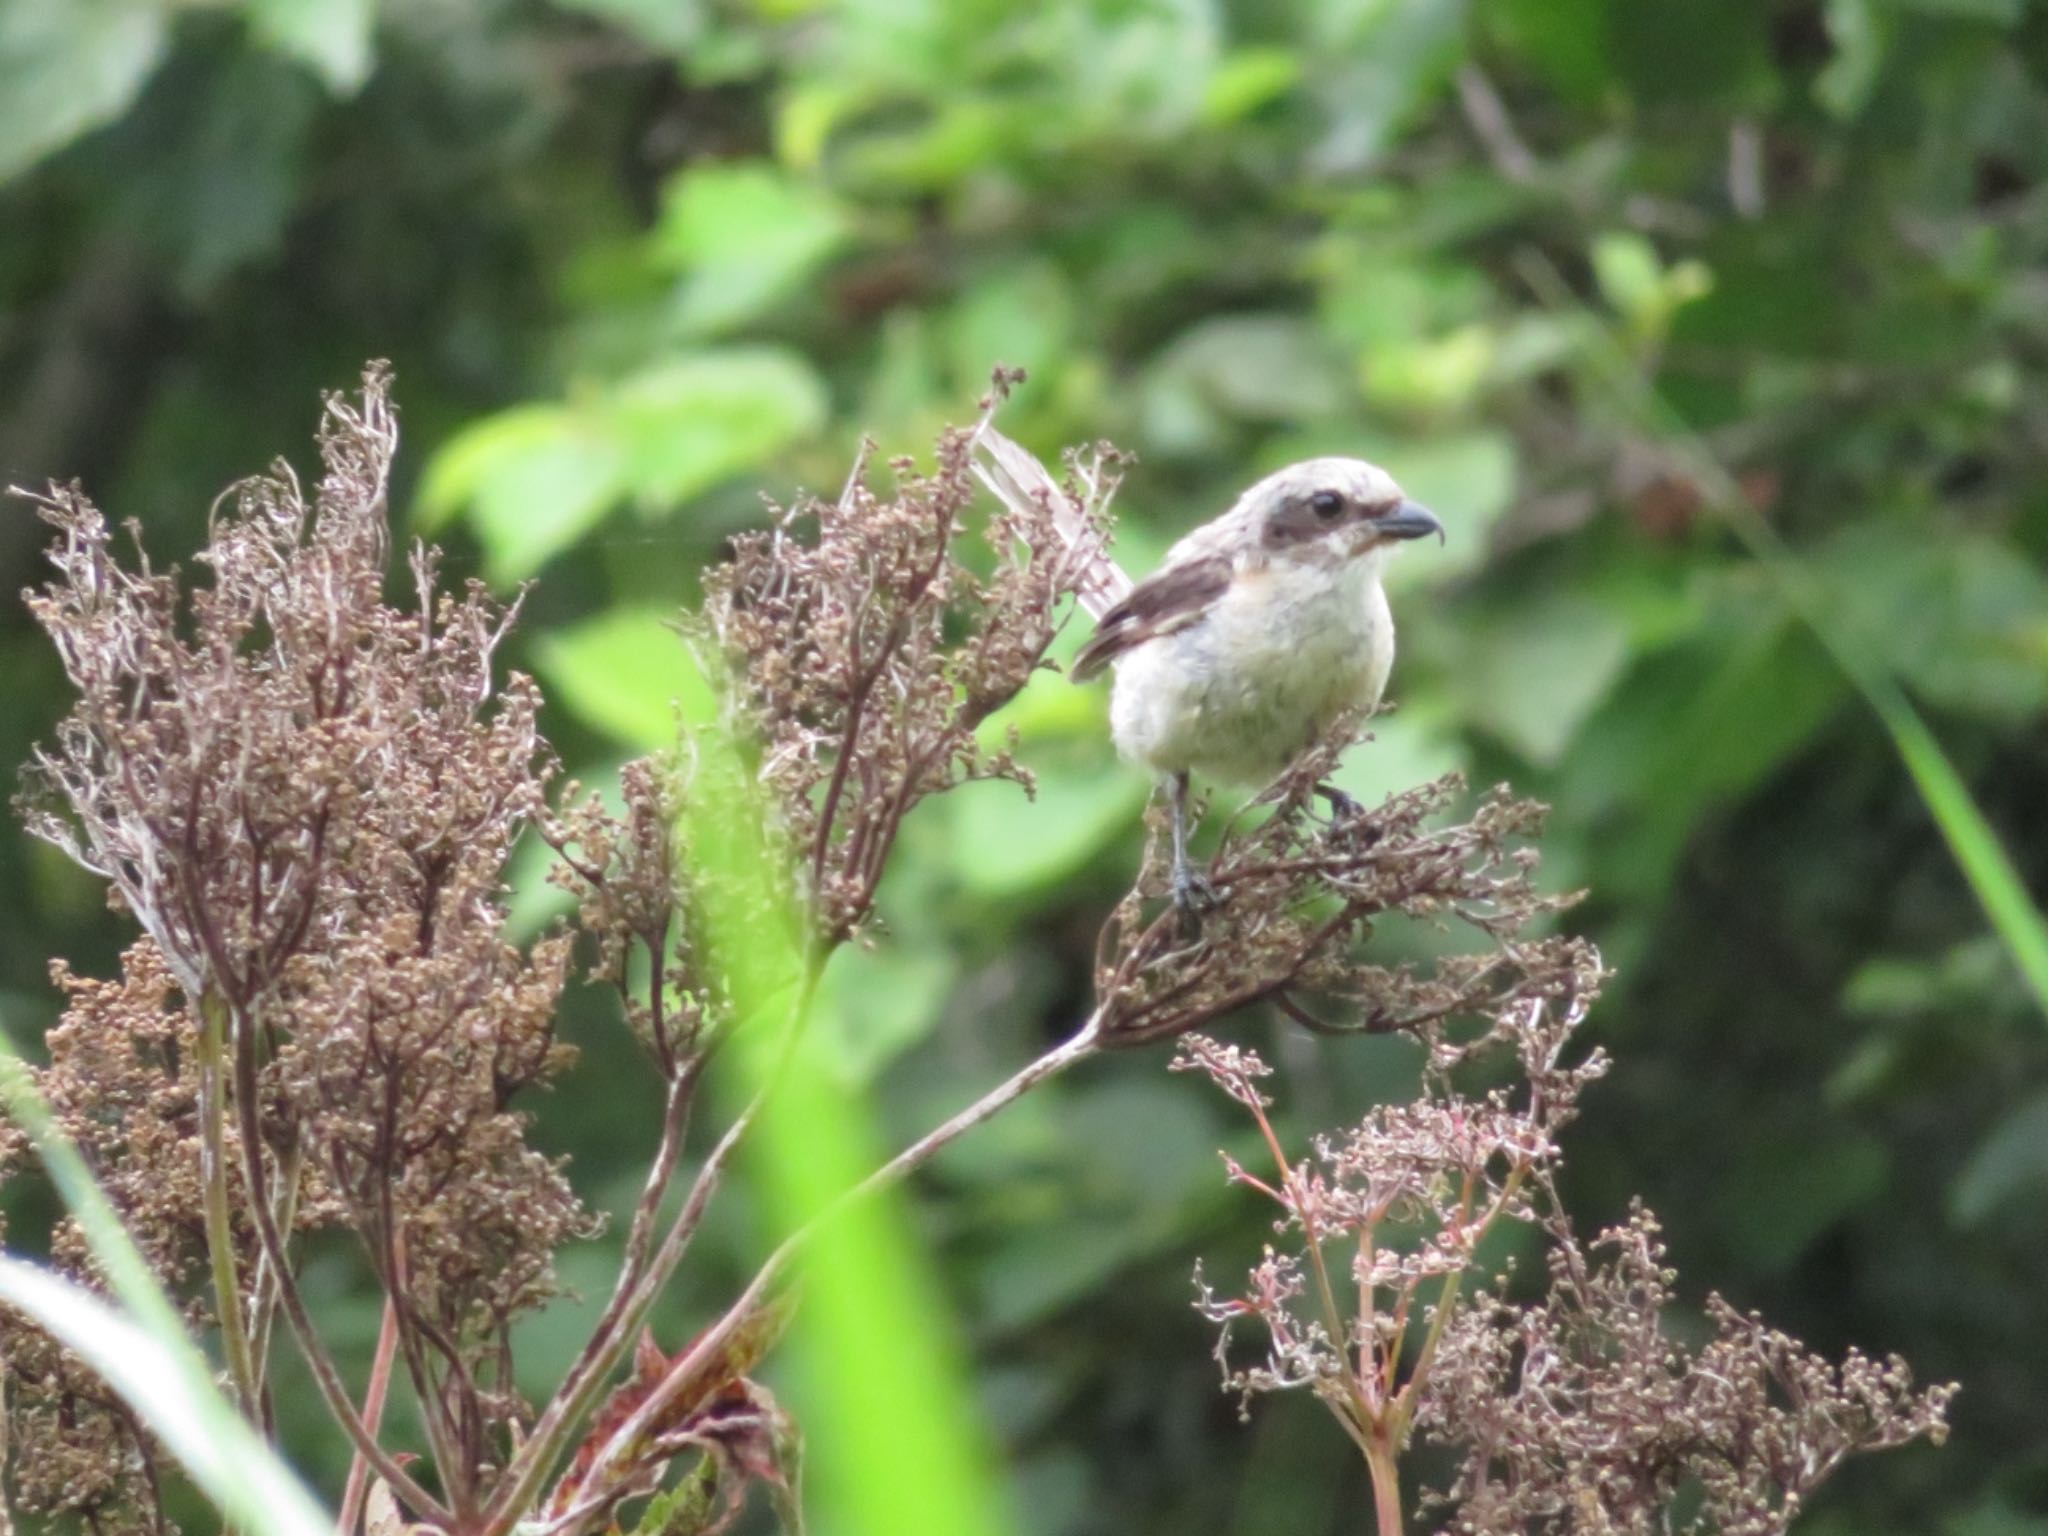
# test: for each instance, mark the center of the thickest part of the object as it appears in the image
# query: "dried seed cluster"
(306, 796)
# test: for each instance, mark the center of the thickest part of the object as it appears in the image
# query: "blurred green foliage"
(637, 259)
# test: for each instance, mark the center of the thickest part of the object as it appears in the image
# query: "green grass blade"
(895, 1441)
(142, 1350)
(1979, 853)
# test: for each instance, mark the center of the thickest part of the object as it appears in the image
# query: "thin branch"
(326, 1376)
(358, 1485)
(683, 1375)
(213, 1175)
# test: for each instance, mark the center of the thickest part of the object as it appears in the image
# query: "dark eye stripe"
(1301, 520)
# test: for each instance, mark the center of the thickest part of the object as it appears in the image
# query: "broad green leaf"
(1960, 617)
(691, 423)
(66, 68)
(1248, 80)
(669, 26)
(331, 37)
(1467, 479)
(744, 236)
(876, 1003)
(1022, 317)
(225, 183)
(1263, 368)
(1005, 845)
(1781, 1196)
(620, 673)
(1402, 749)
(2002, 12)
(1861, 37)
(1378, 65)
(531, 480)
(2009, 1166)
(1430, 376)
(1532, 673)
(1138, 1166)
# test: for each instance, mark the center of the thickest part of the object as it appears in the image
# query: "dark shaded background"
(634, 261)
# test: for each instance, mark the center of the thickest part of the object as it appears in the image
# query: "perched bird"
(1261, 628)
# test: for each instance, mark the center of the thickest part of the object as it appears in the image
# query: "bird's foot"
(1342, 807)
(1193, 896)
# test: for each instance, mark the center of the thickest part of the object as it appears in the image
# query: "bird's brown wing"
(1167, 600)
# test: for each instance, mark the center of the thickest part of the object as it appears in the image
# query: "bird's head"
(1322, 508)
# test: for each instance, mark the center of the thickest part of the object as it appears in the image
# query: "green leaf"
(1005, 846)
(532, 480)
(667, 26)
(2009, 1165)
(1377, 66)
(874, 1004)
(1533, 673)
(620, 673)
(1862, 38)
(2001, 12)
(745, 235)
(1467, 479)
(331, 37)
(1962, 618)
(1782, 1196)
(1264, 368)
(68, 68)
(223, 186)
(1022, 316)
(1401, 750)
(1248, 80)
(692, 423)
(997, 843)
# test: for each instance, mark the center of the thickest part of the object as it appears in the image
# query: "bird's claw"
(1342, 807)
(1193, 895)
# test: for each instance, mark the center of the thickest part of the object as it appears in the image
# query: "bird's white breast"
(1235, 696)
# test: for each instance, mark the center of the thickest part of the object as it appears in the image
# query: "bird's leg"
(1192, 893)
(1342, 806)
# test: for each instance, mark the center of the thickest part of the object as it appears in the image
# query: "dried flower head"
(306, 796)
(866, 651)
(1581, 1413)
(1299, 898)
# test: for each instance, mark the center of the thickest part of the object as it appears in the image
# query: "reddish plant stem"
(358, 1485)
(1382, 1461)
(325, 1374)
(683, 1376)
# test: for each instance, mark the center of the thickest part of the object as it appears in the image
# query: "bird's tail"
(1023, 484)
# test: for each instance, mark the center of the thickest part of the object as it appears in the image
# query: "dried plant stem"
(358, 1486)
(213, 1173)
(265, 1289)
(1382, 1460)
(609, 1341)
(683, 1375)
(326, 1375)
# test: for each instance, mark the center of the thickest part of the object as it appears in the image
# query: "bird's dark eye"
(1326, 505)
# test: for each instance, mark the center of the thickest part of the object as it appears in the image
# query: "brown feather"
(1163, 602)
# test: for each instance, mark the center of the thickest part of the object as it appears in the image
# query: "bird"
(1259, 630)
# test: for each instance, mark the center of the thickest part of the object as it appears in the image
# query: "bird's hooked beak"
(1409, 520)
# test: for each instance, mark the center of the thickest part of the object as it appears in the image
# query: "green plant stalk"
(213, 1179)
(1979, 854)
